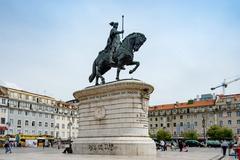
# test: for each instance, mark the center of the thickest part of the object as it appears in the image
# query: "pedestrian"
(59, 144)
(162, 144)
(237, 138)
(180, 145)
(224, 146)
(7, 147)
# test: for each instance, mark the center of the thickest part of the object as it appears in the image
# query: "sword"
(122, 24)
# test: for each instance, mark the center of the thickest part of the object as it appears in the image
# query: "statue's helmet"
(113, 24)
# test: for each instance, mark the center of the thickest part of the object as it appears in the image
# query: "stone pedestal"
(113, 119)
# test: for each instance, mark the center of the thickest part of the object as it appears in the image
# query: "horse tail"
(93, 75)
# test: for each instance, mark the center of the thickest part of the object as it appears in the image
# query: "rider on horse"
(113, 41)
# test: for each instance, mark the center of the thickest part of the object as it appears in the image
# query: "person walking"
(180, 145)
(7, 147)
(224, 146)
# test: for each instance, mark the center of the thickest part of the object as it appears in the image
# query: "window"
(238, 121)
(238, 113)
(156, 119)
(46, 124)
(174, 124)
(39, 124)
(33, 123)
(11, 122)
(19, 112)
(46, 132)
(188, 124)
(19, 122)
(229, 122)
(181, 116)
(33, 114)
(174, 117)
(3, 120)
(238, 131)
(1, 132)
(168, 124)
(181, 123)
(195, 123)
(63, 126)
(11, 111)
(3, 110)
(52, 125)
(40, 114)
(156, 125)
(150, 125)
(26, 123)
(229, 114)
(161, 125)
(150, 119)
(26, 113)
(52, 116)
(46, 115)
(3, 101)
(188, 116)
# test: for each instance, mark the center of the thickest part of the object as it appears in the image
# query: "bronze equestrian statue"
(117, 54)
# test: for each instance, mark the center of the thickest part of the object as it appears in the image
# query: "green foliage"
(217, 132)
(193, 135)
(163, 135)
(152, 135)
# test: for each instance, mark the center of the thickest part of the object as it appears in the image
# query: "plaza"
(55, 154)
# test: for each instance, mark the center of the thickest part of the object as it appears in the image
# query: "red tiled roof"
(182, 105)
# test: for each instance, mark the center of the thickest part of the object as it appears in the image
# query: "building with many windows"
(29, 113)
(198, 114)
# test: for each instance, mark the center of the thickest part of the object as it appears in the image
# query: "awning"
(3, 128)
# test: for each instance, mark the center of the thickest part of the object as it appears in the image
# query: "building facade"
(199, 115)
(34, 114)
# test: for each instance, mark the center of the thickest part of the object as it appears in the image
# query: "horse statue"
(123, 56)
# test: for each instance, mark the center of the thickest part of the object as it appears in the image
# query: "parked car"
(213, 143)
(193, 143)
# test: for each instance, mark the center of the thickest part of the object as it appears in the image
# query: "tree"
(163, 135)
(218, 132)
(190, 135)
(152, 135)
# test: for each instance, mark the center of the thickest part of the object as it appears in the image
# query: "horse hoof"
(130, 72)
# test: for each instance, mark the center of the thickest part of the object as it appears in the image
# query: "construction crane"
(225, 84)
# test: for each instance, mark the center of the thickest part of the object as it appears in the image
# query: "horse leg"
(99, 75)
(118, 71)
(136, 63)
(97, 80)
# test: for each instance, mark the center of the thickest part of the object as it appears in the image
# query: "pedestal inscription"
(113, 119)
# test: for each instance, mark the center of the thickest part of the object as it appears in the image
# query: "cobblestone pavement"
(54, 154)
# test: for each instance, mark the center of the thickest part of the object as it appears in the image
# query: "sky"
(48, 47)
